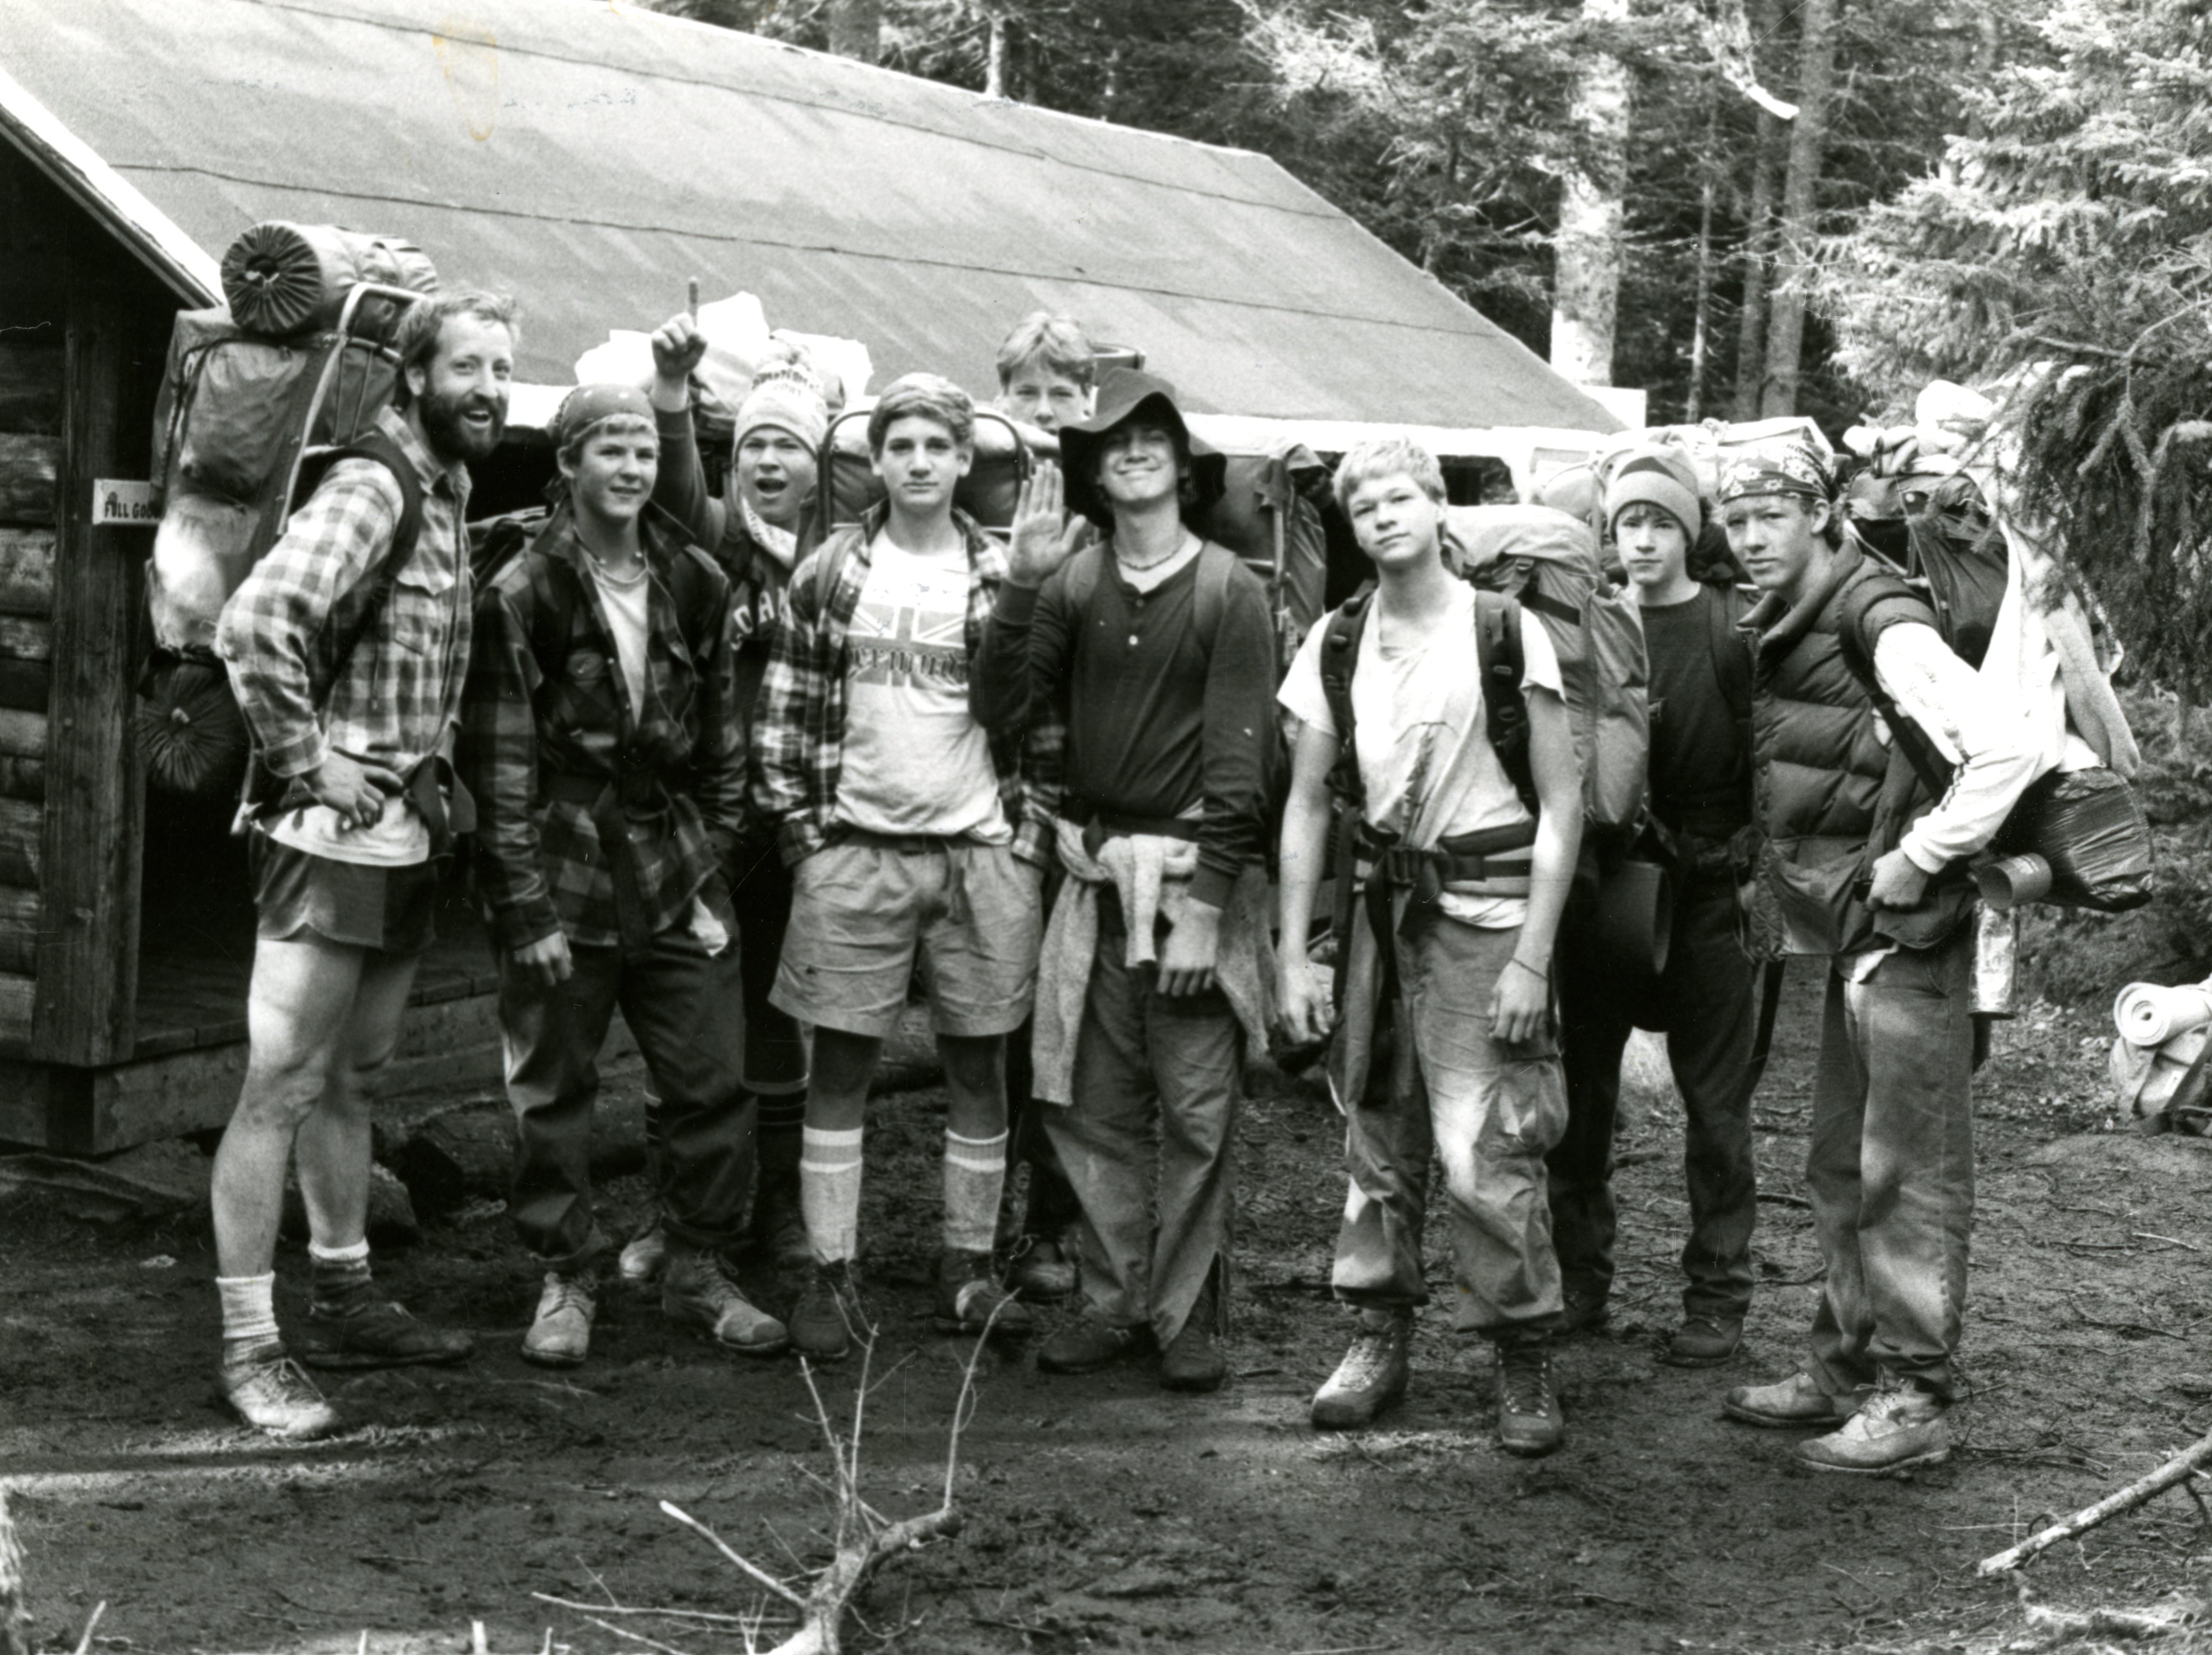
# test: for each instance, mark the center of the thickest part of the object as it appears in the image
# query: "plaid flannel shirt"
(799, 726)
(545, 859)
(396, 701)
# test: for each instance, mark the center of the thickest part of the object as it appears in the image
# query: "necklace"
(635, 577)
(1169, 557)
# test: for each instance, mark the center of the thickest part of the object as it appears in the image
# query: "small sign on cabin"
(120, 503)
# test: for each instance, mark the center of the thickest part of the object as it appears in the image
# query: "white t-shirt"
(627, 607)
(398, 838)
(1426, 759)
(916, 760)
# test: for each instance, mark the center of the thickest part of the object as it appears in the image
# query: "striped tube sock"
(974, 1178)
(830, 1193)
(781, 1111)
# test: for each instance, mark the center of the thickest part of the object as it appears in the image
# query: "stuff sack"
(1548, 560)
(1270, 515)
(989, 493)
(2076, 839)
(281, 278)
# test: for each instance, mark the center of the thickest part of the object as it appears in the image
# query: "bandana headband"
(1785, 468)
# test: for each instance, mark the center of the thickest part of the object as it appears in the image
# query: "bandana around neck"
(782, 545)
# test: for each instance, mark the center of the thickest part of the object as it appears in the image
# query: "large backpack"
(495, 543)
(850, 486)
(1548, 562)
(1270, 515)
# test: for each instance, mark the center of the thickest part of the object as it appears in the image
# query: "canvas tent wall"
(592, 160)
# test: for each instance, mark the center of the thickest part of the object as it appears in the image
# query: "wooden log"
(15, 1637)
(26, 571)
(28, 467)
(31, 385)
(23, 778)
(95, 808)
(19, 929)
(25, 638)
(22, 830)
(23, 736)
(18, 994)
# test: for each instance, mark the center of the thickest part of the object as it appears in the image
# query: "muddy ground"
(1103, 1514)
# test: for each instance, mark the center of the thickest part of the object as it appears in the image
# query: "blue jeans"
(1891, 1169)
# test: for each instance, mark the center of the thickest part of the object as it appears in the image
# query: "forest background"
(1752, 208)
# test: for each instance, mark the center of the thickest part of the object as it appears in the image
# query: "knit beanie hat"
(787, 396)
(1656, 477)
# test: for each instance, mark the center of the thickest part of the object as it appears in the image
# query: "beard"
(453, 438)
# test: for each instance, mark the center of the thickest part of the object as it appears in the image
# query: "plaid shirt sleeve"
(718, 756)
(497, 757)
(788, 762)
(273, 619)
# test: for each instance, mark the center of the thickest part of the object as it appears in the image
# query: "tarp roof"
(591, 159)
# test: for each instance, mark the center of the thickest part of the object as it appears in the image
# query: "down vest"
(1832, 794)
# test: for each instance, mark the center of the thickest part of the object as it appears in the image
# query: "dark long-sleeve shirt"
(1161, 720)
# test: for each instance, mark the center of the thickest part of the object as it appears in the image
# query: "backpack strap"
(1217, 565)
(1079, 577)
(1339, 654)
(379, 446)
(1501, 664)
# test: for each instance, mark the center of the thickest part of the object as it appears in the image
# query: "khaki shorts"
(865, 908)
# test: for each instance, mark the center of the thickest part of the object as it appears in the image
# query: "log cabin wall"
(82, 331)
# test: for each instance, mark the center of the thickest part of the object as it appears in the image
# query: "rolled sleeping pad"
(282, 278)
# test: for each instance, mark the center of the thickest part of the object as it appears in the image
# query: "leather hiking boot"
(1583, 1308)
(1788, 1403)
(828, 1317)
(1192, 1361)
(1530, 1422)
(1899, 1426)
(696, 1292)
(273, 1394)
(1703, 1342)
(378, 1335)
(561, 1332)
(1043, 1273)
(645, 1256)
(970, 1300)
(1087, 1345)
(1370, 1377)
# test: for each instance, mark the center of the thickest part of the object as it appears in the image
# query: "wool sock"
(830, 1193)
(974, 1176)
(249, 1315)
(342, 1285)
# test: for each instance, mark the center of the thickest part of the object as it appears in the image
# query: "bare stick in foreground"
(15, 1619)
(2177, 1469)
(862, 1538)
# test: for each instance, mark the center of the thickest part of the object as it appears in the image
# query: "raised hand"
(679, 347)
(1044, 537)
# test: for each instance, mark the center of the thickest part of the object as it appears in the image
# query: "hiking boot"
(828, 1317)
(1192, 1362)
(1786, 1403)
(1043, 1273)
(1370, 1377)
(645, 1256)
(379, 1334)
(1899, 1426)
(1584, 1309)
(970, 1300)
(561, 1332)
(1087, 1345)
(696, 1292)
(1530, 1422)
(1703, 1342)
(273, 1394)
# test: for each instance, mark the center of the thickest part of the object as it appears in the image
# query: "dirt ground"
(1102, 1512)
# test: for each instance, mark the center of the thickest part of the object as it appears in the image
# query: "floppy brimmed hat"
(1123, 394)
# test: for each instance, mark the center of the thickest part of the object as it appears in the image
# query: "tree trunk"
(1757, 238)
(995, 63)
(1701, 322)
(856, 29)
(1785, 329)
(1587, 252)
